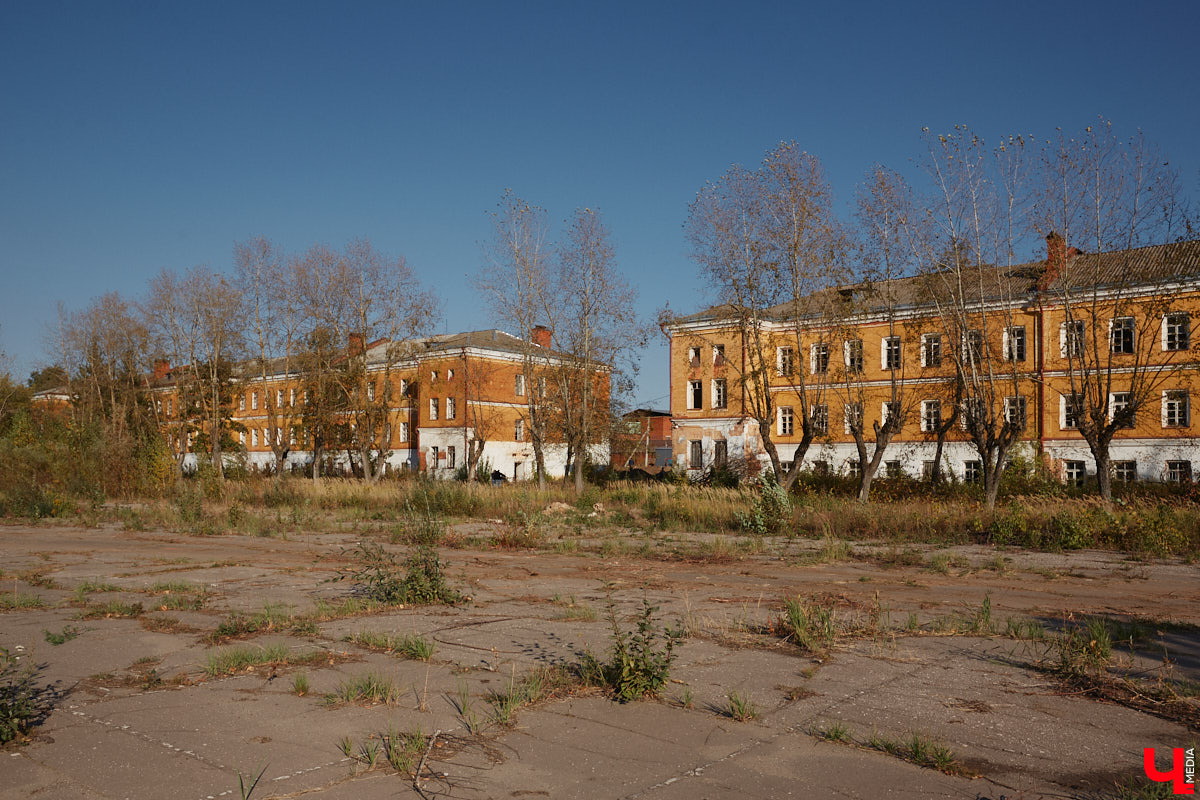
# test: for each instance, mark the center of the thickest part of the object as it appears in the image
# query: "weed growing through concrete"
(13, 601)
(420, 578)
(639, 663)
(239, 659)
(246, 785)
(18, 697)
(835, 732)
(111, 609)
(810, 625)
(915, 748)
(370, 689)
(740, 707)
(465, 708)
(300, 684)
(408, 645)
(68, 633)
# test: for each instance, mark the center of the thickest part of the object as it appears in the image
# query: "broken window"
(853, 417)
(1075, 472)
(519, 385)
(451, 408)
(820, 419)
(1120, 409)
(693, 357)
(433, 408)
(720, 398)
(1014, 411)
(972, 471)
(1014, 343)
(854, 355)
(819, 358)
(720, 453)
(1179, 472)
(973, 347)
(1121, 337)
(718, 355)
(784, 361)
(1175, 412)
(695, 395)
(1072, 409)
(1072, 339)
(519, 430)
(891, 353)
(931, 350)
(1124, 471)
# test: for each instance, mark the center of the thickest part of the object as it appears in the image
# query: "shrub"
(378, 573)
(770, 511)
(18, 697)
(639, 664)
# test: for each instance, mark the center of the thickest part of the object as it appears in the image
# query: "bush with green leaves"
(18, 697)
(770, 511)
(420, 578)
(639, 663)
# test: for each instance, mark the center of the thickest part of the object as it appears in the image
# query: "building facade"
(1048, 347)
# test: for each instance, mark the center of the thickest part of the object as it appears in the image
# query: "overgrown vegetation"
(408, 645)
(420, 578)
(18, 696)
(639, 662)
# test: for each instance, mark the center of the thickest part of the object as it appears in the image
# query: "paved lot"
(134, 714)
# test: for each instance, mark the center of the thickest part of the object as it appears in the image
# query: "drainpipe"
(466, 416)
(1041, 377)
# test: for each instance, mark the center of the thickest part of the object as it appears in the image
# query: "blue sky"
(138, 136)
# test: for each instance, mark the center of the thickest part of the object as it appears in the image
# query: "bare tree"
(272, 314)
(598, 328)
(1113, 196)
(516, 280)
(966, 257)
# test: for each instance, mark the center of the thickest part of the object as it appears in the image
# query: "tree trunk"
(1103, 470)
(579, 473)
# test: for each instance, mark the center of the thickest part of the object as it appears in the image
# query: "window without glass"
(433, 457)
(696, 454)
(891, 352)
(854, 355)
(973, 347)
(1014, 411)
(1075, 472)
(784, 361)
(1072, 408)
(931, 416)
(893, 469)
(519, 430)
(242, 402)
(853, 417)
(254, 401)
(370, 393)
(1014, 343)
(931, 350)
(519, 385)
(1124, 471)
(890, 409)
(451, 408)
(719, 394)
(450, 457)
(720, 453)
(787, 421)
(1179, 472)
(972, 471)
(433, 408)
(818, 357)
(854, 468)
(820, 419)
(1120, 409)
(1072, 339)
(695, 395)
(718, 355)
(1121, 338)
(927, 469)
(404, 431)
(1175, 411)
(1176, 331)
(694, 356)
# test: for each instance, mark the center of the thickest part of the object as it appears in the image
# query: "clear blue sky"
(137, 136)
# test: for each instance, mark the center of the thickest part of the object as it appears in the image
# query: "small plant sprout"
(740, 707)
(300, 683)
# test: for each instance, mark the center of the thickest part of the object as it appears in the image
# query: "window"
(890, 409)
(433, 457)
(370, 393)
(695, 396)
(158, 405)
(1175, 411)
(1176, 333)
(972, 471)
(404, 387)
(1120, 409)
(541, 385)
(819, 358)
(720, 453)
(1124, 471)
(451, 408)
(931, 416)
(787, 421)
(1074, 472)
(1179, 472)
(973, 348)
(973, 413)
(1014, 343)
(171, 405)
(719, 396)
(1071, 339)
(1121, 335)
(854, 468)
(931, 350)
(242, 437)
(292, 436)
(451, 462)
(519, 430)
(718, 355)
(519, 385)
(893, 469)
(820, 467)
(696, 454)
(854, 355)
(254, 437)
(693, 356)
(927, 470)
(820, 419)
(279, 397)
(784, 361)
(853, 417)
(449, 374)
(254, 401)
(433, 408)
(1072, 408)
(1014, 412)
(241, 402)
(433, 376)
(891, 352)
(404, 431)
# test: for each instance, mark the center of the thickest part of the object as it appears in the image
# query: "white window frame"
(926, 405)
(694, 356)
(1016, 401)
(1186, 336)
(1182, 416)
(1117, 467)
(885, 412)
(849, 410)
(433, 408)
(241, 402)
(254, 401)
(1063, 400)
(1075, 472)
(519, 429)
(404, 431)
(718, 353)
(848, 346)
(720, 393)
(1125, 403)
(884, 345)
(1112, 330)
(819, 415)
(254, 437)
(927, 341)
(451, 408)
(1009, 355)
(519, 384)
(370, 392)
(695, 396)
(817, 350)
(973, 471)
(404, 387)
(786, 421)
(1064, 338)
(785, 361)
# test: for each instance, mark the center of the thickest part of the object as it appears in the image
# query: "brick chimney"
(542, 336)
(356, 344)
(162, 369)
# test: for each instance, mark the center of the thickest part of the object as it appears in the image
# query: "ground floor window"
(893, 469)
(972, 471)
(821, 467)
(927, 468)
(720, 453)
(1179, 471)
(1124, 471)
(854, 468)
(696, 454)
(450, 458)
(1075, 472)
